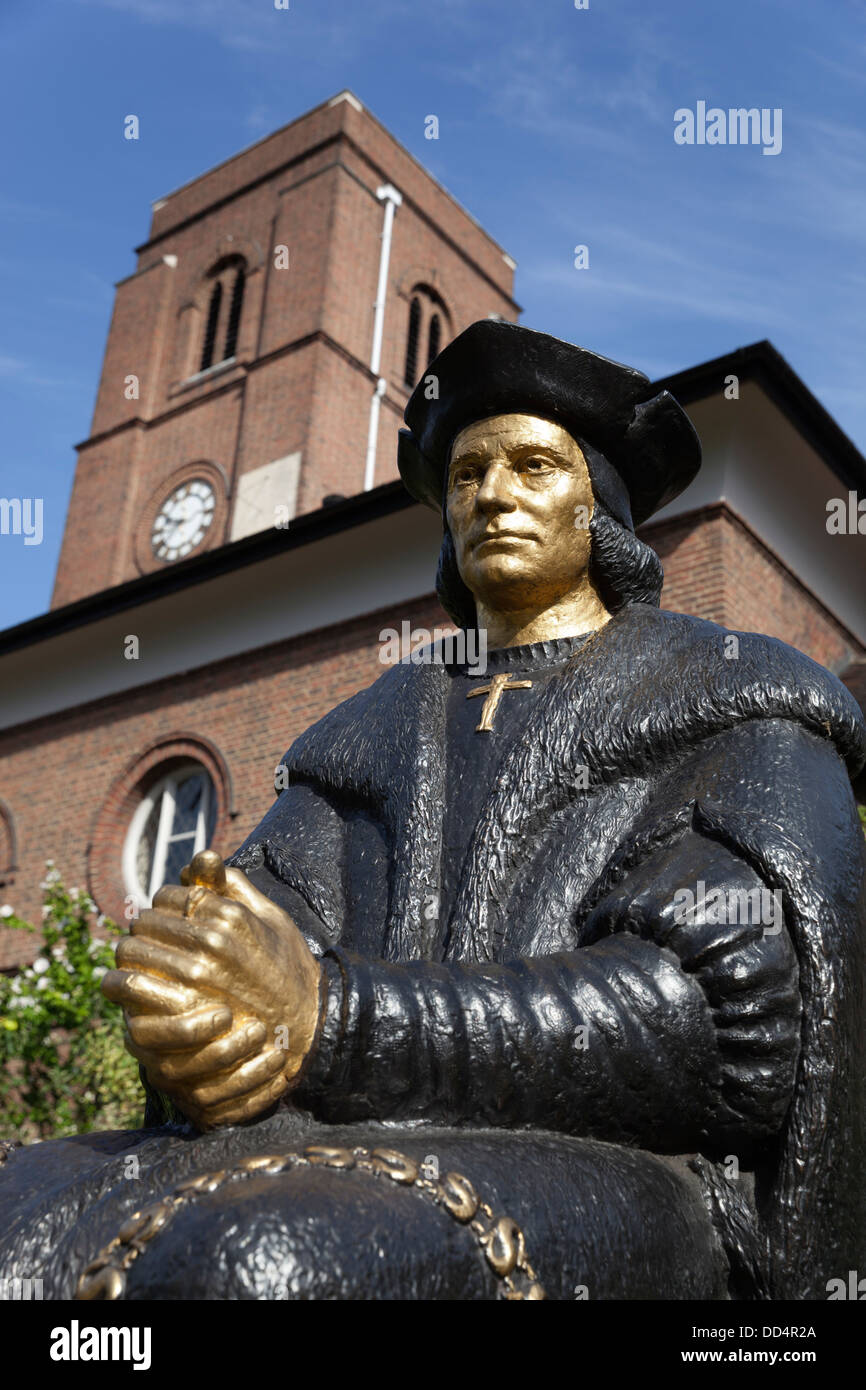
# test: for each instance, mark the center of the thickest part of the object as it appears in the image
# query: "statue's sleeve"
(670, 1033)
(295, 857)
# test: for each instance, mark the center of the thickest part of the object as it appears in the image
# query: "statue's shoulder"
(663, 635)
(374, 713)
(715, 671)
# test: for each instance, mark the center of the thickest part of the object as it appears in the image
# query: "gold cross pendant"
(493, 691)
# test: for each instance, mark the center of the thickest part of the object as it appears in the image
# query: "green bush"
(63, 1067)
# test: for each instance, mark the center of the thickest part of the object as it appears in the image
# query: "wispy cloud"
(10, 365)
(726, 297)
(15, 210)
(261, 120)
(210, 14)
(545, 85)
(17, 371)
(256, 27)
(843, 70)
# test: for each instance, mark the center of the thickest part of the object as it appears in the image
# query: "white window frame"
(165, 790)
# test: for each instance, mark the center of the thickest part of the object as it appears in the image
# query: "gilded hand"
(220, 992)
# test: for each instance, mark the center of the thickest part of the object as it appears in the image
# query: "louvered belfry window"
(235, 313)
(224, 311)
(412, 341)
(428, 327)
(434, 338)
(210, 332)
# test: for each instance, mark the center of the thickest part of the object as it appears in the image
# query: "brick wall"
(717, 568)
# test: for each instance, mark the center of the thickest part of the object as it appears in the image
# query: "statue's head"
(512, 431)
(518, 505)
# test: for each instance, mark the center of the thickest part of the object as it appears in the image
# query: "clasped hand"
(220, 993)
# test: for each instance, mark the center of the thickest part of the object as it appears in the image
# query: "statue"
(544, 983)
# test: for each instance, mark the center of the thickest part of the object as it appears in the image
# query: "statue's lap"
(599, 1220)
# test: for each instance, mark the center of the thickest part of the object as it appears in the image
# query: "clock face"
(183, 519)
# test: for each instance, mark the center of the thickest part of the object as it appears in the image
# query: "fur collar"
(646, 688)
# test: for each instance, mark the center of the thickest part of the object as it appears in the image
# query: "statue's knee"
(311, 1234)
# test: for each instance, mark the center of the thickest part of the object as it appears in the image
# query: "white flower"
(42, 984)
(16, 985)
(100, 921)
(7, 911)
(46, 911)
(40, 965)
(58, 952)
(99, 971)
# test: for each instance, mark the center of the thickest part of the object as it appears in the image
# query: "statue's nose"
(496, 490)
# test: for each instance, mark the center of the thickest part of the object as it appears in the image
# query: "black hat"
(496, 368)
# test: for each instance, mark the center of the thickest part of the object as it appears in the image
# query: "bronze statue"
(541, 983)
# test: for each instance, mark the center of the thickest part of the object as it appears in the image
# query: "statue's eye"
(535, 465)
(466, 474)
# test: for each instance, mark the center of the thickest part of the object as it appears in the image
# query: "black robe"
(668, 1108)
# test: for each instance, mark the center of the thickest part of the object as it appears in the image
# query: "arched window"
(210, 332)
(412, 341)
(225, 309)
(172, 823)
(428, 322)
(434, 338)
(235, 307)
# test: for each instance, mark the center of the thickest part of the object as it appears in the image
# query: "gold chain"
(500, 1239)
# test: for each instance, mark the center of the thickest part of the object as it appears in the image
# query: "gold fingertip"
(208, 869)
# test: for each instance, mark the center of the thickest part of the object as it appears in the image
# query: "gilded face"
(518, 505)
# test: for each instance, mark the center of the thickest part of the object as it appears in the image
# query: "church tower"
(259, 358)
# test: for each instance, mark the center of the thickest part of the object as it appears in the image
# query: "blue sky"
(556, 129)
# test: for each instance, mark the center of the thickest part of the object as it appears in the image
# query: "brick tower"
(260, 356)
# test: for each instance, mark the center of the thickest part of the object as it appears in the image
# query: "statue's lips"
(495, 537)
